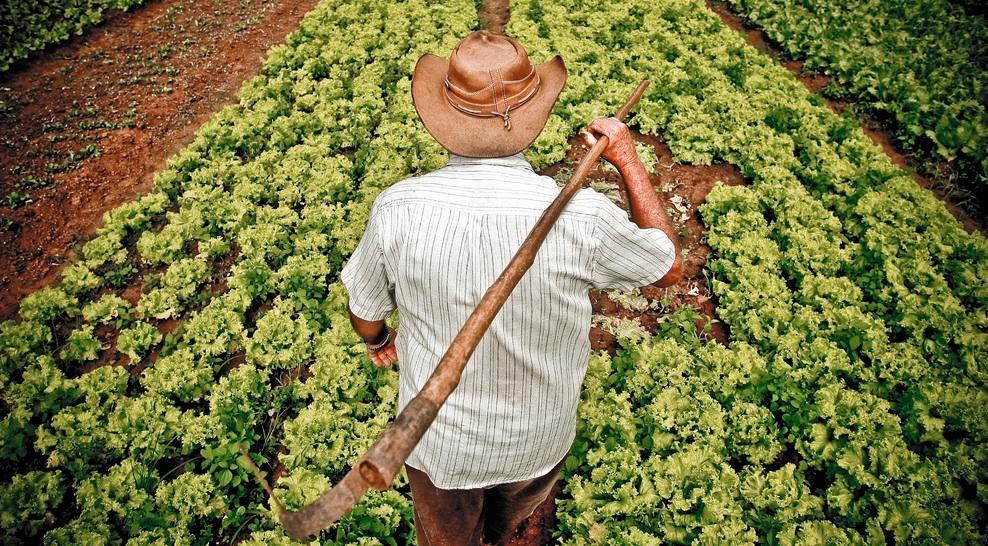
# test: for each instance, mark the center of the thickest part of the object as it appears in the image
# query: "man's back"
(433, 246)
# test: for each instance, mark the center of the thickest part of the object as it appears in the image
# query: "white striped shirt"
(434, 244)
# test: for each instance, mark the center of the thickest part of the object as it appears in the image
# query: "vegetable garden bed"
(962, 197)
(846, 406)
(31, 26)
(918, 68)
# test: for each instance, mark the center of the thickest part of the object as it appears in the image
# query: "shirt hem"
(489, 484)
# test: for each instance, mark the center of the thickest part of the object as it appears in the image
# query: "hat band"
(532, 82)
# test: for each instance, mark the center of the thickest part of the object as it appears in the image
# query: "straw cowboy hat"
(487, 100)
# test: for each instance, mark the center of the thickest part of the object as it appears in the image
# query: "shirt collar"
(514, 160)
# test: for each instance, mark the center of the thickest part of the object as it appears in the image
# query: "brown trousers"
(462, 517)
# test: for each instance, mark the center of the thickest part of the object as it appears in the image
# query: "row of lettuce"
(919, 64)
(182, 331)
(846, 410)
(28, 26)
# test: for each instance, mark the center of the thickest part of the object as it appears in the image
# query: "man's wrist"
(623, 159)
(380, 340)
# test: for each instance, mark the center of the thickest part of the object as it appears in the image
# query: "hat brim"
(472, 136)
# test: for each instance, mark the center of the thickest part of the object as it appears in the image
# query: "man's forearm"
(646, 209)
(371, 331)
(380, 345)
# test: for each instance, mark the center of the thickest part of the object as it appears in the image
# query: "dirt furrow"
(87, 124)
(493, 15)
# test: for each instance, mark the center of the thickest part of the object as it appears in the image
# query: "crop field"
(908, 61)
(843, 402)
(29, 27)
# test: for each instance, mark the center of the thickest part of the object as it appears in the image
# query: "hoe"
(379, 465)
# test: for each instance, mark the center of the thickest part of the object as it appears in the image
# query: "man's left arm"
(371, 294)
(647, 212)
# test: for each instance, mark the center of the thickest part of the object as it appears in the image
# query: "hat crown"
(489, 75)
(482, 53)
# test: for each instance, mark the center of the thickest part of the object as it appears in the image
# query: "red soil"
(537, 529)
(140, 84)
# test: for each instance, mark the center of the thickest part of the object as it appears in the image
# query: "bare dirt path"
(940, 177)
(84, 126)
(493, 15)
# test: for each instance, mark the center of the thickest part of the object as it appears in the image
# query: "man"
(435, 243)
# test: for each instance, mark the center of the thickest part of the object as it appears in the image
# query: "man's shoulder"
(592, 201)
(445, 186)
(415, 183)
(594, 198)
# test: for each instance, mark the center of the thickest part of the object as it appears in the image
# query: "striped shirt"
(434, 243)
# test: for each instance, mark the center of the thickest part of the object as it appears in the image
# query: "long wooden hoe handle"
(383, 460)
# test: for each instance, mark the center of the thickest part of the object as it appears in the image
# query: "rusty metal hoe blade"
(382, 461)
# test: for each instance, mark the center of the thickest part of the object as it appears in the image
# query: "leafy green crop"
(237, 251)
(920, 64)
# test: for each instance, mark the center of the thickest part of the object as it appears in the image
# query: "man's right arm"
(646, 209)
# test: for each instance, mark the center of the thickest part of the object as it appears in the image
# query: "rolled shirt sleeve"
(627, 256)
(365, 277)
